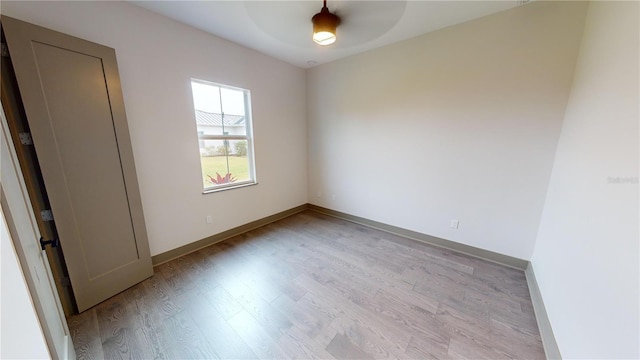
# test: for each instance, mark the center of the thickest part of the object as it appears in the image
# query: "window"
(223, 119)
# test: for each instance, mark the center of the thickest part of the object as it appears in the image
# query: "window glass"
(222, 115)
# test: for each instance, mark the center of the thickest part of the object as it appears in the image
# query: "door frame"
(29, 166)
(9, 207)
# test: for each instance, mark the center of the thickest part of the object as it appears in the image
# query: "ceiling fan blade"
(290, 21)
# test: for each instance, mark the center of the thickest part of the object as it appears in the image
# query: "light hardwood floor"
(312, 286)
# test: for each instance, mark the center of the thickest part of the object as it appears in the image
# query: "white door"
(24, 232)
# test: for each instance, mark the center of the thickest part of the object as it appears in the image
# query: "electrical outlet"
(209, 219)
(333, 196)
(319, 194)
(454, 223)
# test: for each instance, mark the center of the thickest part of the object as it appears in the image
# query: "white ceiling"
(282, 29)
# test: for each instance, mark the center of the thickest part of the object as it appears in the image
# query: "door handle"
(54, 243)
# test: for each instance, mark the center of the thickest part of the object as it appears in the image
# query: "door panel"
(71, 94)
(88, 125)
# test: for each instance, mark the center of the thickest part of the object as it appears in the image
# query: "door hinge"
(44, 243)
(46, 215)
(4, 51)
(25, 138)
(65, 281)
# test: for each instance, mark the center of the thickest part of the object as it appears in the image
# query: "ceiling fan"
(359, 21)
(324, 26)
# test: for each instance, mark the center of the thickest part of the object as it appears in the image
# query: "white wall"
(461, 123)
(157, 58)
(20, 333)
(586, 255)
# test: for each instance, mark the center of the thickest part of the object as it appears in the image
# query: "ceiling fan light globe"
(324, 27)
(324, 37)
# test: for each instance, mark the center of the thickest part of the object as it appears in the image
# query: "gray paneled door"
(74, 106)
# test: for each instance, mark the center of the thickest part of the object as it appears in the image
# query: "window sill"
(229, 187)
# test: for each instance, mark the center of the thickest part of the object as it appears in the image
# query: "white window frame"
(248, 137)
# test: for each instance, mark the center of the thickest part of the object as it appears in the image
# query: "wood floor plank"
(461, 347)
(273, 321)
(492, 302)
(256, 336)
(421, 348)
(347, 311)
(309, 317)
(85, 334)
(426, 329)
(376, 342)
(117, 331)
(342, 348)
(184, 340)
(439, 288)
(174, 278)
(344, 237)
(513, 340)
(146, 327)
(314, 287)
(226, 343)
(300, 346)
(322, 257)
(223, 302)
(160, 296)
(388, 243)
(464, 322)
(407, 299)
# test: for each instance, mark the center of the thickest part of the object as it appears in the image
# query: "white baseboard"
(544, 325)
(497, 258)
